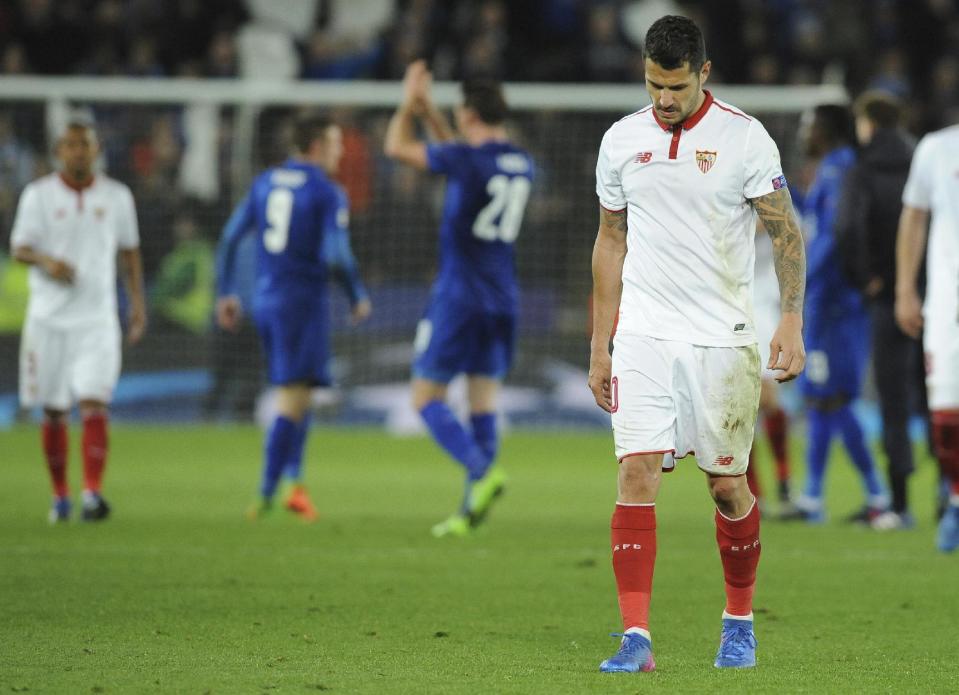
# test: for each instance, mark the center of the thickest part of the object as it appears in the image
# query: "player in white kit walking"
(932, 190)
(70, 226)
(680, 183)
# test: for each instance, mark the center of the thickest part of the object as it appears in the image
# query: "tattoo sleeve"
(609, 251)
(789, 253)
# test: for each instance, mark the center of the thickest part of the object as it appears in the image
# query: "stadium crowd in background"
(903, 46)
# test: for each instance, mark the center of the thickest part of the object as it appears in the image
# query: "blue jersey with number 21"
(486, 192)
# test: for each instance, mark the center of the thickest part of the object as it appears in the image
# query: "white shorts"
(675, 399)
(941, 344)
(61, 366)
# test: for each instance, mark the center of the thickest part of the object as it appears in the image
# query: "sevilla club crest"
(705, 160)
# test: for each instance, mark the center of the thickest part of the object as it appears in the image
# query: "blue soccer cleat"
(737, 645)
(947, 538)
(635, 654)
(60, 511)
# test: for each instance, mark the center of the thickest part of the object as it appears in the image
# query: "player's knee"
(638, 480)
(729, 492)
(54, 416)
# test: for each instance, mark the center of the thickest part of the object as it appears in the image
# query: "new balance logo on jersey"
(627, 546)
(643, 157)
(723, 460)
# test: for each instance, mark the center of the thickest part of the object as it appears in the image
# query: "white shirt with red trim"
(83, 227)
(688, 273)
(933, 185)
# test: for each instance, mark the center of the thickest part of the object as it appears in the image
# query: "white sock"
(727, 616)
(639, 631)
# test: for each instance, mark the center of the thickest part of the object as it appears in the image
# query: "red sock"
(777, 430)
(752, 479)
(54, 436)
(94, 450)
(739, 550)
(633, 535)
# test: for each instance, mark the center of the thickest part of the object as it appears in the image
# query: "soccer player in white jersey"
(680, 183)
(70, 226)
(932, 190)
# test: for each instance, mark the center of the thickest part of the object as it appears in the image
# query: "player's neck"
(77, 181)
(480, 135)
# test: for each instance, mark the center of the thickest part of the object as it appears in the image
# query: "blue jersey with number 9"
(486, 192)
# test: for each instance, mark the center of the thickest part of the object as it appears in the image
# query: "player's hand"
(361, 311)
(228, 312)
(600, 374)
(58, 270)
(787, 354)
(136, 323)
(416, 83)
(909, 312)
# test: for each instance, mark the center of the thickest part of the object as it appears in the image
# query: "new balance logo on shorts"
(627, 546)
(723, 460)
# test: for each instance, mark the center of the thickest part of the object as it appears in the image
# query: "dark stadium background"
(907, 48)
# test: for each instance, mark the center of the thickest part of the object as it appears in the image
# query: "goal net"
(188, 150)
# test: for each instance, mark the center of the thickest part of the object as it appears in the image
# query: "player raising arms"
(300, 217)
(680, 183)
(70, 226)
(469, 326)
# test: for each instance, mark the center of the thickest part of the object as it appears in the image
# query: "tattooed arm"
(609, 251)
(786, 352)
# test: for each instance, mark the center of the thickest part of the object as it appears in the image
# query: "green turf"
(178, 593)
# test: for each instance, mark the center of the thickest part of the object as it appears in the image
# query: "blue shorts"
(837, 353)
(452, 339)
(296, 341)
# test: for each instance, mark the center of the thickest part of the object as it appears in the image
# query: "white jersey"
(688, 273)
(84, 228)
(933, 185)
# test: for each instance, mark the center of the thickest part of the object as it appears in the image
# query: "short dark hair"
(672, 41)
(882, 108)
(309, 128)
(486, 98)
(835, 123)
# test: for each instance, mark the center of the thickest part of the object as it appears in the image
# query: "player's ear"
(704, 72)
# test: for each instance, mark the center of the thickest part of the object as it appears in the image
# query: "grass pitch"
(178, 593)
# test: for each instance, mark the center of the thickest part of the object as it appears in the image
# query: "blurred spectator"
(608, 57)
(183, 291)
(18, 166)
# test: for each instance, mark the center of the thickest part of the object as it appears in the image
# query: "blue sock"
(453, 437)
(484, 434)
(294, 464)
(855, 442)
(276, 453)
(820, 432)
